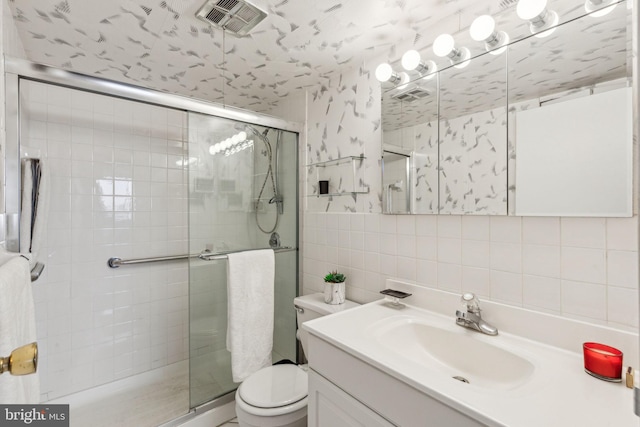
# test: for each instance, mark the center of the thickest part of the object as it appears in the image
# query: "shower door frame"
(17, 69)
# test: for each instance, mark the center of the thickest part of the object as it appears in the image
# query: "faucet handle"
(471, 302)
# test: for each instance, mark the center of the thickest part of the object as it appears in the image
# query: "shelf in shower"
(340, 175)
(346, 193)
(336, 162)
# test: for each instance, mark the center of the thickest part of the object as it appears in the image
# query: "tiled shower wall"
(584, 268)
(118, 188)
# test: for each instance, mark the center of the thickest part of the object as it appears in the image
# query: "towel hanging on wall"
(17, 327)
(34, 207)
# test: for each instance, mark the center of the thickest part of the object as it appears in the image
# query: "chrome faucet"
(471, 318)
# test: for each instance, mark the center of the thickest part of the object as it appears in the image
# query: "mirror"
(410, 128)
(473, 138)
(396, 186)
(571, 121)
(482, 154)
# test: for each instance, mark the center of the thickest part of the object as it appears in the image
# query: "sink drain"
(462, 379)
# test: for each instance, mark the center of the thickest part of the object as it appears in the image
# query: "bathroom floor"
(230, 423)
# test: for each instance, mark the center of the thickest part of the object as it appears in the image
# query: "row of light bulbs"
(231, 145)
(542, 22)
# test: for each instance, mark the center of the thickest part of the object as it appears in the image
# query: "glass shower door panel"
(231, 188)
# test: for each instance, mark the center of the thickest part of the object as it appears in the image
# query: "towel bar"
(223, 255)
(116, 262)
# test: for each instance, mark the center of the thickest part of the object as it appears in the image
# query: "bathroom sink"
(459, 353)
(531, 374)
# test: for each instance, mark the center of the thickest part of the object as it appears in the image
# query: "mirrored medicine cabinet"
(542, 128)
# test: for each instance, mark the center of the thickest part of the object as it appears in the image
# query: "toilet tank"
(311, 307)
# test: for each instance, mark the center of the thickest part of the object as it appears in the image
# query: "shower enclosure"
(239, 195)
(138, 177)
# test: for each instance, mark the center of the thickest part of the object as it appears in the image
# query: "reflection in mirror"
(396, 178)
(409, 125)
(570, 119)
(472, 167)
(473, 138)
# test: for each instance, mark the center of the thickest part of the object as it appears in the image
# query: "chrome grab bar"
(116, 262)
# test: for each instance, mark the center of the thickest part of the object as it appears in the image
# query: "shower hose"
(264, 184)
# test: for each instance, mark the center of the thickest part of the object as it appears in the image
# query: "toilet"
(276, 396)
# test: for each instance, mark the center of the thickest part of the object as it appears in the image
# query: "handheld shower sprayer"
(271, 174)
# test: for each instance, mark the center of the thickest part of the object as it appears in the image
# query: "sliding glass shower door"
(242, 195)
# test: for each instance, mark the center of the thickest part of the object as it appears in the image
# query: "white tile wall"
(113, 193)
(491, 256)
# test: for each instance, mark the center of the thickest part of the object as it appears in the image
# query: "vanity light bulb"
(443, 45)
(242, 135)
(542, 22)
(383, 72)
(552, 24)
(530, 9)
(212, 149)
(410, 60)
(482, 28)
(465, 60)
(431, 69)
(592, 7)
(404, 81)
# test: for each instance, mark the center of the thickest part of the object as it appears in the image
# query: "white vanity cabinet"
(346, 391)
(330, 406)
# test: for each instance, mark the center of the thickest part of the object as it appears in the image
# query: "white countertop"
(558, 392)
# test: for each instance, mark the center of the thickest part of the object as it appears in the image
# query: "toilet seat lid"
(275, 386)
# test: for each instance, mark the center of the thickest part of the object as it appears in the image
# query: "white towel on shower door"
(17, 328)
(34, 207)
(250, 303)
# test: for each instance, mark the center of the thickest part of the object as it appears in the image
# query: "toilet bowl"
(276, 396)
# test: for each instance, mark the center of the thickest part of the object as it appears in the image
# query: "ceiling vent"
(411, 94)
(506, 4)
(234, 16)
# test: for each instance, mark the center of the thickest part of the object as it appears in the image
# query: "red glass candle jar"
(602, 361)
